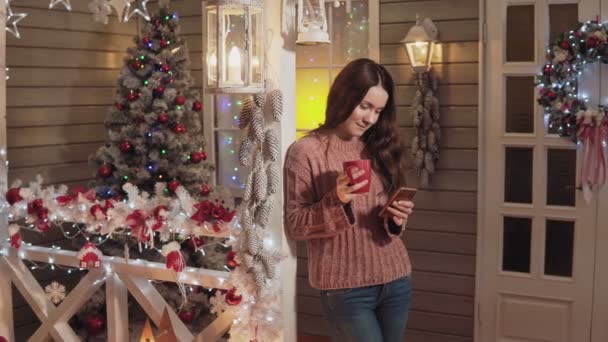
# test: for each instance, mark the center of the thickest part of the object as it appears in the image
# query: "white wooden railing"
(121, 277)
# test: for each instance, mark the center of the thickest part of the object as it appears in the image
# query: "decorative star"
(65, 3)
(13, 19)
(141, 10)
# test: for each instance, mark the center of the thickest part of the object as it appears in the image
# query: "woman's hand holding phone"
(400, 211)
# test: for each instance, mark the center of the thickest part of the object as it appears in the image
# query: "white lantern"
(419, 43)
(312, 23)
(234, 48)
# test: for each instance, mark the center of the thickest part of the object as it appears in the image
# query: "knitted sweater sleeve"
(307, 217)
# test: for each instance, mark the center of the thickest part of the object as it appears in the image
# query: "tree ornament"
(197, 157)
(151, 167)
(259, 99)
(119, 106)
(147, 41)
(179, 129)
(197, 106)
(165, 67)
(186, 316)
(136, 64)
(55, 292)
(140, 10)
(565, 45)
(173, 185)
(125, 146)
(12, 19)
(174, 258)
(180, 100)
(95, 323)
(163, 118)
(132, 95)
(256, 130)
(13, 196)
(163, 43)
(104, 171)
(205, 190)
(158, 91)
(89, 256)
(232, 298)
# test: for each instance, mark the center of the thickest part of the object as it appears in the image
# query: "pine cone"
(270, 266)
(253, 242)
(422, 140)
(246, 113)
(429, 163)
(417, 117)
(248, 261)
(260, 185)
(271, 145)
(276, 104)
(245, 151)
(419, 159)
(427, 121)
(248, 188)
(256, 130)
(247, 220)
(415, 146)
(263, 213)
(424, 178)
(274, 178)
(260, 99)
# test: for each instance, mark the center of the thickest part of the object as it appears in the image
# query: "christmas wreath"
(567, 113)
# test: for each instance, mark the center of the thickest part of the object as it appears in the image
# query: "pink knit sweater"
(348, 245)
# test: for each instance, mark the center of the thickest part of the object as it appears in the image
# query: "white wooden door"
(537, 236)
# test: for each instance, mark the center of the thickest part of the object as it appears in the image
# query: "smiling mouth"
(362, 127)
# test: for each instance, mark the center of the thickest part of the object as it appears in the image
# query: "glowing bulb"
(234, 66)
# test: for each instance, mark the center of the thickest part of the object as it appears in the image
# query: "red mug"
(361, 164)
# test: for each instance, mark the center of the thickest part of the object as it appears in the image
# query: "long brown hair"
(382, 140)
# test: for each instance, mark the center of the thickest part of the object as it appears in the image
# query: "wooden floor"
(313, 338)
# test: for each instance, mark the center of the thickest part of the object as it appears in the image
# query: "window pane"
(350, 32)
(227, 110)
(517, 240)
(562, 18)
(312, 86)
(559, 247)
(518, 175)
(229, 173)
(520, 33)
(520, 104)
(561, 177)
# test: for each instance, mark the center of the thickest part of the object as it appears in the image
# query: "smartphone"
(403, 194)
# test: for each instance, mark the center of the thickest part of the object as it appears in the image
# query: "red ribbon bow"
(73, 196)
(137, 222)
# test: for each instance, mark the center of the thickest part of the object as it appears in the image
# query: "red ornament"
(592, 42)
(565, 45)
(125, 146)
(104, 171)
(163, 43)
(12, 196)
(197, 106)
(231, 259)
(186, 316)
(158, 91)
(228, 216)
(163, 118)
(551, 95)
(146, 40)
(165, 67)
(548, 69)
(173, 185)
(218, 212)
(95, 323)
(195, 242)
(119, 106)
(180, 100)
(205, 190)
(136, 64)
(232, 298)
(132, 96)
(179, 129)
(196, 157)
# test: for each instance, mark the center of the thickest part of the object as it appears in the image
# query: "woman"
(355, 258)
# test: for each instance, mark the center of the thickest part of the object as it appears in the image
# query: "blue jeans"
(369, 314)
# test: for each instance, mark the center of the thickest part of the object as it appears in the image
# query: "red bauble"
(132, 96)
(104, 171)
(186, 316)
(197, 106)
(95, 323)
(136, 64)
(146, 40)
(119, 106)
(218, 212)
(125, 146)
(196, 157)
(196, 242)
(592, 42)
(551, 95)
(205, 190)
(173, 185)
(179, 129)
(565, 45)
(165, 67)
(548, 69)
(163, 118)
(180, 100)
(12, 196)
(232, 298)
(158, 91)
(163, 43)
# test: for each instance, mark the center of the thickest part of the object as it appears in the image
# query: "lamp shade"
(419, 44)
(312, 23)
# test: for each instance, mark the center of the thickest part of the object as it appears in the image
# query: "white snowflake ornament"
(55, 292)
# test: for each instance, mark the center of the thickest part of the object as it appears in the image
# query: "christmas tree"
(155, 136)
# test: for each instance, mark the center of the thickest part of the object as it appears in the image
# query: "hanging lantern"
(234, 50)
(312, 23)
(419, 43)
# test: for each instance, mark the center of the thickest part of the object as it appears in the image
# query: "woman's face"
(364, 115)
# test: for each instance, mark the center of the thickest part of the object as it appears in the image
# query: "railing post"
(6, 300)
(117, 309)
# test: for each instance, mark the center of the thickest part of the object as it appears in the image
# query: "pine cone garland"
(263, 213)
(415, 146)
(269, 266)
(271, 145)
(260, 99)
(260, 185)
(245, 151)
(248, 261)
(247, 220)
(274, 178)
(429, 163)
(253, 242)
(256, 129)
(276, 104)
(246, 113)
(419, 159)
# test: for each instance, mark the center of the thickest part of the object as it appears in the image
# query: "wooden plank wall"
(441, 236)
(63, 74)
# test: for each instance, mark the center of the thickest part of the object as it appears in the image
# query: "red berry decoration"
(179, 129)
(197, 106)
(125, 146)
(173, 185)
(548, 69)
(205, 190)
(186, 316)
(95, 323)
(158, 91)
(146, 40)
(180, 100)
(163, 43)
(163, 118)
(104, 171)
(165, 67)
(12, 196)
